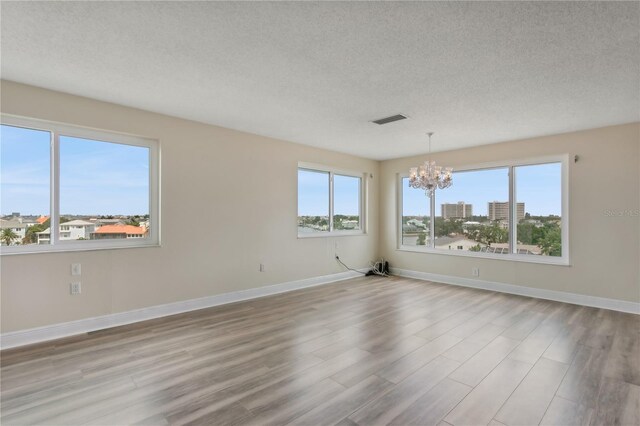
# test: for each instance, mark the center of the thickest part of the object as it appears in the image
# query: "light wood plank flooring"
(366, 351)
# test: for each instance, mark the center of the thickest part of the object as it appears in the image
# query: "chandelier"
(428, 176)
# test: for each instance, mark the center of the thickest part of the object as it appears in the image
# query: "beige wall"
(218, 225)
(604, 250)
(199, 165)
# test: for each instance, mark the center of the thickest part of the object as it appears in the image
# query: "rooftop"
(121, 229)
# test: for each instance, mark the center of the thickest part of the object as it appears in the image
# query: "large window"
(329, 202)
(68, 188)
(512, 211)
(538, 191)
(473, 214)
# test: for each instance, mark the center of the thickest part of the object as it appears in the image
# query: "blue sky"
(96, 178)
(313, 194)
(538, 186)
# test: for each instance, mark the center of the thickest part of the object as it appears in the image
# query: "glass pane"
(473, 214)
(539, 197)
(313, 201)
(346, 203)
(104, 190)
(24, 185)
(416, 216)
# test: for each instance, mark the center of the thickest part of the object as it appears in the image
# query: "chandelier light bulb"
(430, 176)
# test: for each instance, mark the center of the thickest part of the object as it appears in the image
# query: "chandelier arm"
(430, 176)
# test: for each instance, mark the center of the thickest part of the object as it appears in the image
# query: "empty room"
(319, 213)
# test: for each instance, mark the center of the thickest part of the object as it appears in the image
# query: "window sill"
(332, 234)
(63, 248)
(545, 260)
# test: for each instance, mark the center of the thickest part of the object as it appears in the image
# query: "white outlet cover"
(76, 269)
(75, 288)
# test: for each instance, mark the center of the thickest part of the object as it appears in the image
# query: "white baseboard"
(56, 331)
(558, 296)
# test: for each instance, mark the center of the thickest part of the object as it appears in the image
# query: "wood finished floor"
(366, 351)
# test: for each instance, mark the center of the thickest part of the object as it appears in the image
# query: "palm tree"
(8, 236)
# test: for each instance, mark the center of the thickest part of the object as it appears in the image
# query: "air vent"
(391, 119)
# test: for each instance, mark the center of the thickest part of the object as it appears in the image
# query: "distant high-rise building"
(499, 210)
(458, 210)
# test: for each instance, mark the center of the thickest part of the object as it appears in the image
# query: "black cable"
(343, 264)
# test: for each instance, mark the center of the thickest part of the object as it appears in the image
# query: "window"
(329, 202)
(513, 211)
(474, 211)
(25, 173)
(313, 201)
(538, 191)
(346, 202)
(416, 217)
(77, 189)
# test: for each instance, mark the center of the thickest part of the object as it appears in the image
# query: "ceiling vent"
(391, 119)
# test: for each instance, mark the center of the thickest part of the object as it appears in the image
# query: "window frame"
(361, 200)
(563, 260)
(56, 130)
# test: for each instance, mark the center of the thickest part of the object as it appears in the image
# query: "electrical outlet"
(75, 288)
(262, 268)
(475, 272)
(76, 269)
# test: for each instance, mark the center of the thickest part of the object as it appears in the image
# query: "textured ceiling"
(318, 73)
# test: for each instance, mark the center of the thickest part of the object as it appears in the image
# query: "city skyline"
(538, 186)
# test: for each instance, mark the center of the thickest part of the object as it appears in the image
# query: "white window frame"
(563, 260)
(362, 202)
(60, 129)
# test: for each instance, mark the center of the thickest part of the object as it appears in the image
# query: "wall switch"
(262, 268)
(75, 288)
(475, 272)
(76, 269)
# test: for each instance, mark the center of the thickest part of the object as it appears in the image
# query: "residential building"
(417, 223)
(522, 248)
(459, 210)
(18, 228)
(102, 222)
(459, 242)
(72, 230)
(107, 232)
(499, 210)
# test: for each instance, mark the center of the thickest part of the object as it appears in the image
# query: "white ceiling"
(318, 73)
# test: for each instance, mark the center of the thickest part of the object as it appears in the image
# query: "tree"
(525, 233)
(31, 236)
(8, 236)
(551, 245)
(446, 227)
(488, 234)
